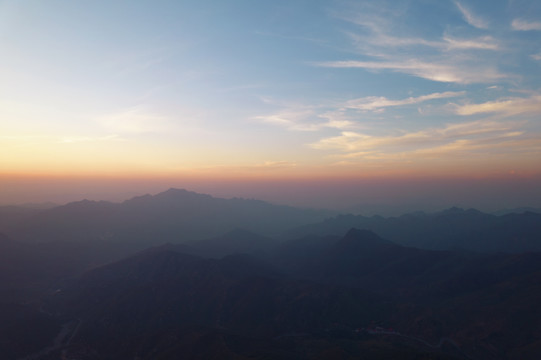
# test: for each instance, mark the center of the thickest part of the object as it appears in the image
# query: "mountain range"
(175, 215)
(185, 275)
(454, 228)
(351, 296)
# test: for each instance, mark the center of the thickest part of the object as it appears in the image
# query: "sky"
(306, 102)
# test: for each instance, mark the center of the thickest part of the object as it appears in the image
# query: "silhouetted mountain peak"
(180, 248)
(180, 193)
(460, 211)
(172, 192)
(85, 203)
(137, 199)
(363, 235)
(454, 228)
(232, 242)
(413, 215)
(519, 210)
(78, 211)
(361, 239)
(147, 265)
(452, 210)
(176, 191)
(526, 214)
(244, 265)
(168, 197)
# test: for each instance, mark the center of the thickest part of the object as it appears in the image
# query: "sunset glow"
(311, 103)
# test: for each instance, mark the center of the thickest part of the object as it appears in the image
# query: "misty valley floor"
(185, 275)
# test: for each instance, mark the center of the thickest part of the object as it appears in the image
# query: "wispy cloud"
(524, 25)
(480, 43)
(441, 72)
(379, 38)
(372, 103)
(509, 142)
(134, 120)
(304, 119)
(452, 139)
(276, 164)
(375, 43)
(291, 119)
(340, 115)
(506, 107)
(471, 18)
(536, 56)
(444, 58)
(353, 141)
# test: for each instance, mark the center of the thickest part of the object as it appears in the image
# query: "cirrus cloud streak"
(434, 71)
(523, 25)
(506, 107)
(484, 136)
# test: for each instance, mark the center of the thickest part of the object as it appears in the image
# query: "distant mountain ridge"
(178, 215)
(175, 215)
(237, 241)
(519, 210)
(453, 228)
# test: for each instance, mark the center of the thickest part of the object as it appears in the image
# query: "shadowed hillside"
(307, 298)
(450, 229)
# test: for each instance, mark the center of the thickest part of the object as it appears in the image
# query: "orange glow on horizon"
(241, 174)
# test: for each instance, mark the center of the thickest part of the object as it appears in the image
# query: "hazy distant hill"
(309, 303)
(517, 211)
(13, 216)
(450, 229)
(237, 241)
(363, 259)
(180, 216)
(172, 216)
(29, 270)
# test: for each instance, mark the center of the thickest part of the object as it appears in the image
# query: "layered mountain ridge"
(180, 274)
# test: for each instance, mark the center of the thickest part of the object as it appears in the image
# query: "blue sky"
(283, 89)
